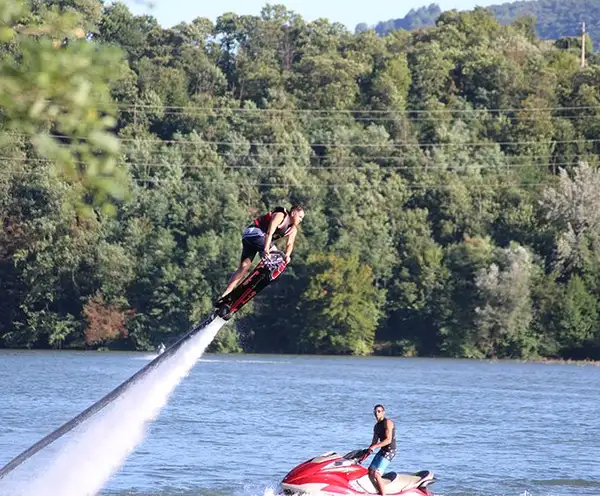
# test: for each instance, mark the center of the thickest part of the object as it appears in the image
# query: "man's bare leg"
(376, 479)
(380, 484)
(237, 276)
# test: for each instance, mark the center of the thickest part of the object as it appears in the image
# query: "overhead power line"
(534, 163)
(407, 144)
(366, 116)
(410, 186)
(239, 182)
(246, 110)
(516, 160)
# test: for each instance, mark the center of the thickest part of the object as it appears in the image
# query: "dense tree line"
(449, 177)
(553, 20)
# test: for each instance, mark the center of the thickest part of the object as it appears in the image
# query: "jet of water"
(102, 443)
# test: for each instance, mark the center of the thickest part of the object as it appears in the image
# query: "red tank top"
(284, 229)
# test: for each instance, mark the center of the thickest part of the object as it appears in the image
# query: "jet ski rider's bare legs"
(380, 487)
(384, 437)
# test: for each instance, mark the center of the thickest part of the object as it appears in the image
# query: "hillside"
(450, 180)
(554, 19)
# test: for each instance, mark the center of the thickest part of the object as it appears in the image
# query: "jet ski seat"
(389, 477)
(405, 481)
(396, 483)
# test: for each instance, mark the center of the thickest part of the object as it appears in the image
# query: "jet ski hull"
(334, 475)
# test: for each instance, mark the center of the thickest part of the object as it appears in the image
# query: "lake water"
(238, 423)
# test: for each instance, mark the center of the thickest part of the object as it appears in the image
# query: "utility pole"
(583, 44)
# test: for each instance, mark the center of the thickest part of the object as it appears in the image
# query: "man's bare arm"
(374, 440)
(275, 221)
(290, 244)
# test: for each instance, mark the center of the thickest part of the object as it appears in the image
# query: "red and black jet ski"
(332, 474)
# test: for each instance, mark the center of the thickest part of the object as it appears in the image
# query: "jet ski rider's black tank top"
(380, 432)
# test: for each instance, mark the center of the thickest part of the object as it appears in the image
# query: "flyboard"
(266, 271)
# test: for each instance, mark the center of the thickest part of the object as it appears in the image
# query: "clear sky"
(348, 12)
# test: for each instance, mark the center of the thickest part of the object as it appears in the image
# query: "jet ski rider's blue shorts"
(381, 461)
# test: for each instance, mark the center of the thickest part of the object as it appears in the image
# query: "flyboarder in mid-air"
(258, 237)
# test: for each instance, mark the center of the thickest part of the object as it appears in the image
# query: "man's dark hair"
(297, 207)
(379, 406)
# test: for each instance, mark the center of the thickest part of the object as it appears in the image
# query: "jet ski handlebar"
(358, 455)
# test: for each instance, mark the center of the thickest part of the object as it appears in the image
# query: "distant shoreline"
(545, 361)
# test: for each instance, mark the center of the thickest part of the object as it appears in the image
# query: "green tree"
(577, 318)
(342, 304)
(459, 329)
(65, 109)
(415, 293)
(505, 313)
(572, 206)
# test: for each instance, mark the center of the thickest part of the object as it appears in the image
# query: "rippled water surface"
(238, 423)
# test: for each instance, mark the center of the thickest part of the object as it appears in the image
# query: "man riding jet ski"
(333, 475)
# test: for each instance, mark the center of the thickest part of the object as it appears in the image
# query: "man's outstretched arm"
(289, 248)
(275, 221)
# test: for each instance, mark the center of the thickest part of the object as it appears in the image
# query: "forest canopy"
(449, 176)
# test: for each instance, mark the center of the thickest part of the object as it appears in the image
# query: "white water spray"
(103, 442)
